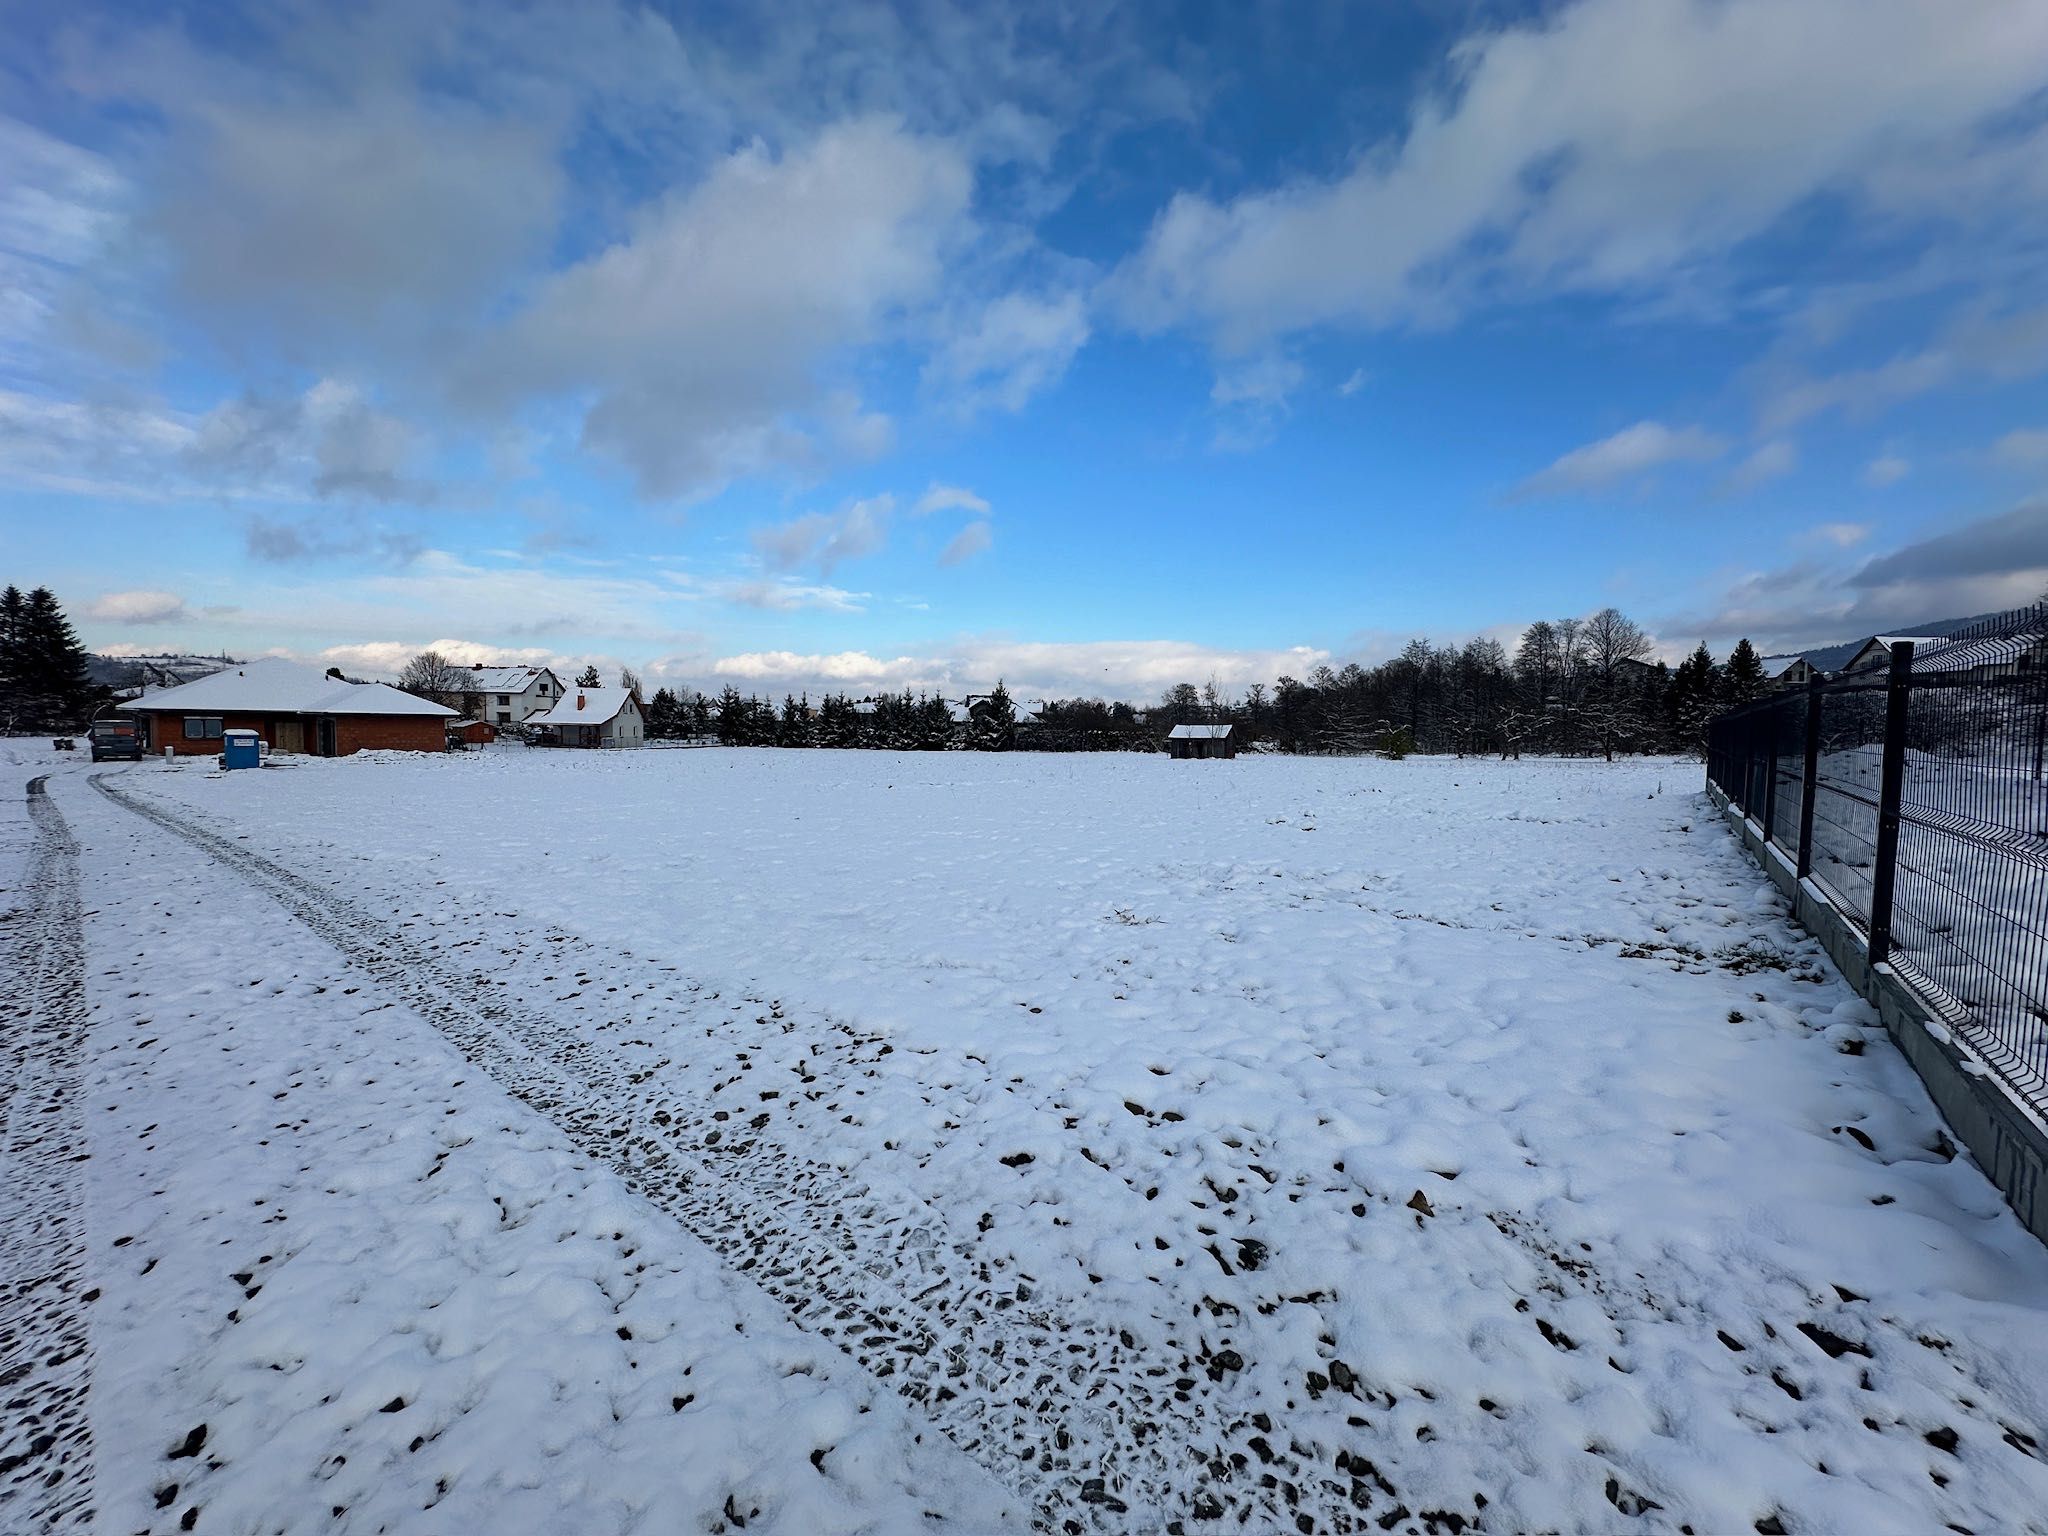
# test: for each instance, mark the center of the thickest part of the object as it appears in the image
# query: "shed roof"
(1198, 732)
(281, 687)
(585, 706)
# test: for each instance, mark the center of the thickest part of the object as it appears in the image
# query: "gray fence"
(1912, 796)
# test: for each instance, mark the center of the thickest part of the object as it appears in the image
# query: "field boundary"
(2009, 1142)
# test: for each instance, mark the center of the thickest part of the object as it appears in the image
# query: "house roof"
(1198, 732)
(1778, 666)
(279, 687)
(585, 706)
(501, 679)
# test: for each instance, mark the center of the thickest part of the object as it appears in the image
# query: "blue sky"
(874, 346)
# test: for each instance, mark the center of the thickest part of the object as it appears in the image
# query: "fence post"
(1810, 781)
(1891, 787)
(1770, 771)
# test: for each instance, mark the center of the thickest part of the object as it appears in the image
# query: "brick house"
(294, 708)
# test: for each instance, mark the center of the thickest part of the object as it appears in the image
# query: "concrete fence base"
(2007, 1140)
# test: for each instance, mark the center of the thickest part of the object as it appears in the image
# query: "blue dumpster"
(241, 749)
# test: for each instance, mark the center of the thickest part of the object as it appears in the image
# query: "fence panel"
(1969, 879)
(1848, 776)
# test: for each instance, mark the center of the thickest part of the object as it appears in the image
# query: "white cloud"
(138, 607)
(1886, 469)
(966, 544)
(1839, 535)
(946, 498)
(1136, 669)
(2006, 345)
(782, 595)
(1610, 145)
(1354, 383)
(700, 341)
(2026, 446)
(1014, 348)
(1630, 452)
(827, 540)
(1250, 396)
(1770, 461)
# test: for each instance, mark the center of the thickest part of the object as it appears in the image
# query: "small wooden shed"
(1200, 741)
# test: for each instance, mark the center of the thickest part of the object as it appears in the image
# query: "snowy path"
(1494, 1158)
(350, 1286)
(45, 1359)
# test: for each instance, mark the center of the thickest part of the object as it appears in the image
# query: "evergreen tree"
(1743, 678)
(589, 678)
(48, 685)
(664, 716)
(13, 658)
(994, 721)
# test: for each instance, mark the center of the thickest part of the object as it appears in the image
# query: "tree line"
(1570, 687)
(1584, 687)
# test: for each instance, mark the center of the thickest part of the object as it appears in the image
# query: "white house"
(593, 717)
(512, 695)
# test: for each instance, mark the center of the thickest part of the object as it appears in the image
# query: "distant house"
(294, 708)
(593, 717)
(512, 695)
(471, 733)
(1785, 672)
(1200, 741)
(1877, 650)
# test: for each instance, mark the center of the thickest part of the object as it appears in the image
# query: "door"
(291, 736)
(327, 737)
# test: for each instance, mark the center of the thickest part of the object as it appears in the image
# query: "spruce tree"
(50, 684)
(994, 727)
(1744, 678)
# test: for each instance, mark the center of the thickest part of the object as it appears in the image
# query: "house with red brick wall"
(294, 708)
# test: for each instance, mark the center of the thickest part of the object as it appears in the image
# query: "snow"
(586, 706)
(1442, 1138)
(286, 687)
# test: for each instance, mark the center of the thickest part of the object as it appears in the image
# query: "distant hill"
(1832, 658)
(165, 671)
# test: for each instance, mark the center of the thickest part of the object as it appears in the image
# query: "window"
(504, 717)
(504, 698)
(543, 690)
(202, 727)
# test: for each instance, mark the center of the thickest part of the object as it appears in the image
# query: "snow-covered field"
(806, 1142)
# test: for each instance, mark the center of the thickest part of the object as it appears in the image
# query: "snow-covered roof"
(1778, 666)
(584, 706)
(500, 679)
(1198, 732)
(279, 687)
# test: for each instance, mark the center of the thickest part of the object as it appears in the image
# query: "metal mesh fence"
(1914, 796)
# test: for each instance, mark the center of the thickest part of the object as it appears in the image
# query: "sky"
(860, 346)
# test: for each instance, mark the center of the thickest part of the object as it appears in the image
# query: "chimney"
(579, 700)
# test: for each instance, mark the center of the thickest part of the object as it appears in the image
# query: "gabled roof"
(584, 706)
(1778, 666)
(501, 679)
(1198, 733)
(279, 687)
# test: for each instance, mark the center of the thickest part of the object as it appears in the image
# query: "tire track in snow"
(1026, 1386)
(45, 1349)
